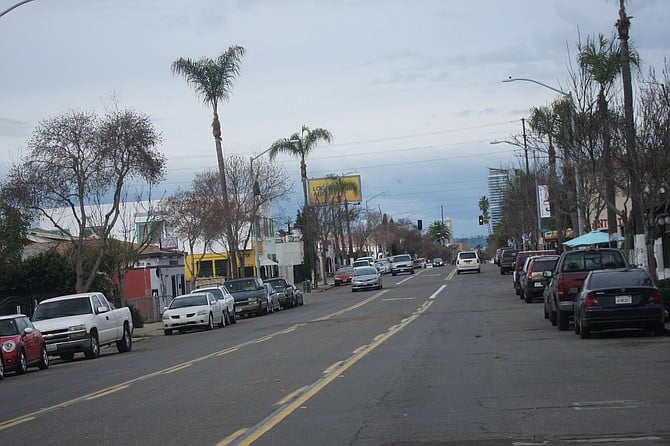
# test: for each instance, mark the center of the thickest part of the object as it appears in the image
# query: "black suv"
(250, 295)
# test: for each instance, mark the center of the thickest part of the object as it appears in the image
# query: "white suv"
(402, 263)
(467, 261)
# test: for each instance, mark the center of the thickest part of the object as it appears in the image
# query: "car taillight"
(656, 297)
(591, 300)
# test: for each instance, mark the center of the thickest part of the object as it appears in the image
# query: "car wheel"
(94, 349)
(584, 332)
(659, 330)
(126, 343)
(223, 320)
(527, 297)
(553, 317)
(563, 320)
(44, 358)
(2, 368)
(479, 271)
(546, 313)
(21, 363)
(210, 322)
(502, 272)
(578, 323)
(168, 332)
(458, 272)
(394, 273)
(233, 317)
(66, 356)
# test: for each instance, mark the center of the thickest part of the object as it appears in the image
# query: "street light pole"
(573, 128)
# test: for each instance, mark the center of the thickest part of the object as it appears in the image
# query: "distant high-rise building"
(498, 182)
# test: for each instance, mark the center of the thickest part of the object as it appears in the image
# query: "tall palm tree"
(339, 186)
(212, 80)
(300, 145)
(601, 58)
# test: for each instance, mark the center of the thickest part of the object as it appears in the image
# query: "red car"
(22, 345)
(343, 275)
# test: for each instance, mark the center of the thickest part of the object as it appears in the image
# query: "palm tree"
(300, 145)
(602, 60)
(212, 80)
(339, 186)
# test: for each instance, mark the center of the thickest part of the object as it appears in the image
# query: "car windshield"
(365, 271)
(8, 327)
(62, 308)
(215, 291)
(620, 279)
(402, 258)
(235, 286)
(194, 300)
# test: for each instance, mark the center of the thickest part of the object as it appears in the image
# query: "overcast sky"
(410, 90)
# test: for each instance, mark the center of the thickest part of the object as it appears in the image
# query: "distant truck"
(83, 323)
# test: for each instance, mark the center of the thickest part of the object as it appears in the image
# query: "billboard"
(543, 201)
(322, 191)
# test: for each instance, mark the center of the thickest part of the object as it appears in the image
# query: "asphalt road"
(431, 359)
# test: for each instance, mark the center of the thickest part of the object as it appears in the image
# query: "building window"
(205, 269)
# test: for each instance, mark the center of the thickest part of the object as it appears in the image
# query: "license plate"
(238, 310)
(626, 299)
(538, 285)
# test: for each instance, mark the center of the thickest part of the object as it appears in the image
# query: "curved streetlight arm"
(524, 79)
(14, 7)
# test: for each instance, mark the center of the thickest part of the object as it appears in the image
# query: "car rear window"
(468, 255)
(544, 265)
(620, 279)
(402, 258)
(592, 260)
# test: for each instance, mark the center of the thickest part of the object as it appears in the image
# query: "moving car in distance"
(195, 310)
(343, 275)
(402, 263)
(383, 265)
(618, 298)
(366, 277)
(437, 261)
(22, 345)
(467, 261)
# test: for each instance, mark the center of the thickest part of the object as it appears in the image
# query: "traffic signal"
(419, 224)
(481, 219)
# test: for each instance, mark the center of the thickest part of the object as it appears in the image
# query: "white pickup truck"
(83, 323)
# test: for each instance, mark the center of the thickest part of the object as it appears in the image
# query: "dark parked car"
(507, 259)
(532, 277)
(618, 298)
(284, 292)
(568, 276)
(519, 262)
(22, 345)
(249, 294)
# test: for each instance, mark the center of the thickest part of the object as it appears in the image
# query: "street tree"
(438, 232)
(82, 162)
(13, 228)
(300, 145)
(212, 80)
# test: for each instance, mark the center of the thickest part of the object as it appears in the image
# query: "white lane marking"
(439, 290)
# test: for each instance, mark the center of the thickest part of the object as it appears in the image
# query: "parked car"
(369, 259)
(467, 261)
(22, 345)
(532, 276)
(227, 301)
(366, 277)
(83, 322)
(419, 263)
(284, 292)
(402, 263)
(300, 300)
(568, 276)
(383, 265)
(520, 261)
(437, 261)
(195, 310)
(273, 298)
(249, 295)
(507, 259)
(343, 276)
(618, 298)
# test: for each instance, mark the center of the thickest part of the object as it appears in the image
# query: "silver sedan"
(366, 277)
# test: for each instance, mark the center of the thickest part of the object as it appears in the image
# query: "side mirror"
(102, 310)
(28, 330)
